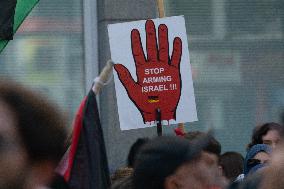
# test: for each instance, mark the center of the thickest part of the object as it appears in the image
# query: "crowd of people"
(193, 160)
(33, 139)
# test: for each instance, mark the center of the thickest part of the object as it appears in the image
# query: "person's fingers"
(177, 52)
(151, 41)
(163, 44)
(137, 50)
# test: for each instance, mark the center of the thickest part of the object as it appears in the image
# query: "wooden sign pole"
(181, 127)
(159, 122)
(161, 10)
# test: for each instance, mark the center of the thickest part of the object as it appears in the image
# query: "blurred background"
(237, 57)
(47, 52)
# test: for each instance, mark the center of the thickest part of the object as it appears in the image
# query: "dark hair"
(261, 130)
(40, 125)
(160, 158)
(213, 145)
(125, 183)
(232, 164)
(59, 182)
(134, 149)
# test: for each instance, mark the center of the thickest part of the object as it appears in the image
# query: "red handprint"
(158, 82)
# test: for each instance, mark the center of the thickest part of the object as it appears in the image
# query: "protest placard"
(152, 71)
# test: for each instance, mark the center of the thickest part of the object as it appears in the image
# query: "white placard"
(153, 75)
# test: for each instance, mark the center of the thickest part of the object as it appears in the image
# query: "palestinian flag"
(87, 162)
(12, 14)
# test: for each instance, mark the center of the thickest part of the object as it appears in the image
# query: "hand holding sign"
(158, 77)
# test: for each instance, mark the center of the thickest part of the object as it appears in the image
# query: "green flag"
(12, 14)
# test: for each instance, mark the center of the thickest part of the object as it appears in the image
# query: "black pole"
(159, 122)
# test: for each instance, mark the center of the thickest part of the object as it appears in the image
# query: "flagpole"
(103, 78)
(161, 11)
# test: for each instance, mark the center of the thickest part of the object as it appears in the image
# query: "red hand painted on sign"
(158, 77)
